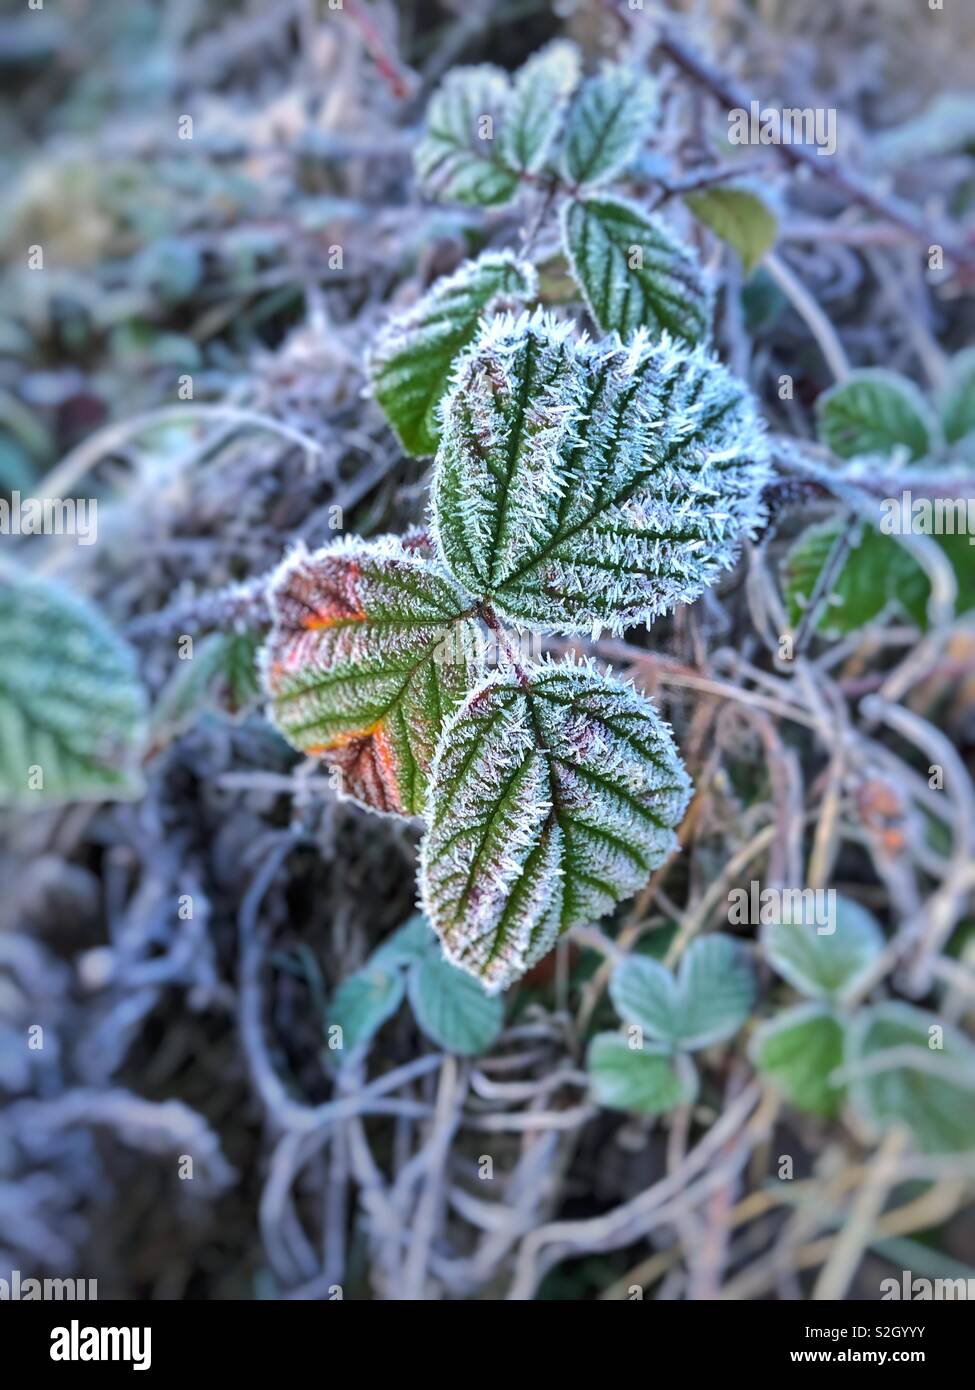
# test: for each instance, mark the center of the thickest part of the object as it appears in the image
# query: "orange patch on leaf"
(367, 762)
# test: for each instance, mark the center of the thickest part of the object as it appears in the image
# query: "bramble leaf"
(739, 217)
(539, 95)
(72, 707)
(458, 158)
(799, 1050)
(956, 402)
(633, 271)
(708, 1002)
(933, 1095)
(580, 485)
(824, 959)
(554, 794)
(609, 118)
(648, 1080)
(451, 1007)
(410, 363)
(875, 411)
(370, 651)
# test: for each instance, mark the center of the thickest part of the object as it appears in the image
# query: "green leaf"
(709, 1001)
(413, 941)
(370, 651)
(554, 794)
(541, 90)
(956, 401)
(452, 1008)
(361, 1005)
(633, 271)
(581, 484)
(824, 960)
(878, 576)
(72, 707)
(610, 117)
(933, 1095)
(458, 159)
(411, 361)
(738, 217)
(222, 674)
(875, 411)
(799, 1050)
(648, 1080)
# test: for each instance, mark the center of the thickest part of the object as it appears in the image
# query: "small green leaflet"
(824, 959)
(875, 411)
(707, 1003)
(609, 119)
(956, 402)
(580, 485)
(72, 707)
(879, 576)
(538, 99)
(933, 1095)
(221, 674)
(411, 361)
(451, 1007)
(738, 217)
(458, 158)
(799, 1050)
(633, 271)
(360, 1006)
(648, 1080)
(554, 794)
(370, 651)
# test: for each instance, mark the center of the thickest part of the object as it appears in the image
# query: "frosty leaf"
(451, 1007)
(708, 1002)
(738, 217)
(633, 271)
(458, 158)
(609, 118)
(411, 361)
(648, 1080)
(72, 707)
(876, 412)
(361, 1005)
(899, 1075)
(956, 401)
(541, 89)
(824, 958)
(552, 798)
(799, 1051)
(580, 484)
(370, 651)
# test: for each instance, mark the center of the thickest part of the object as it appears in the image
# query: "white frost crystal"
(554, 794)
(582, 485)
